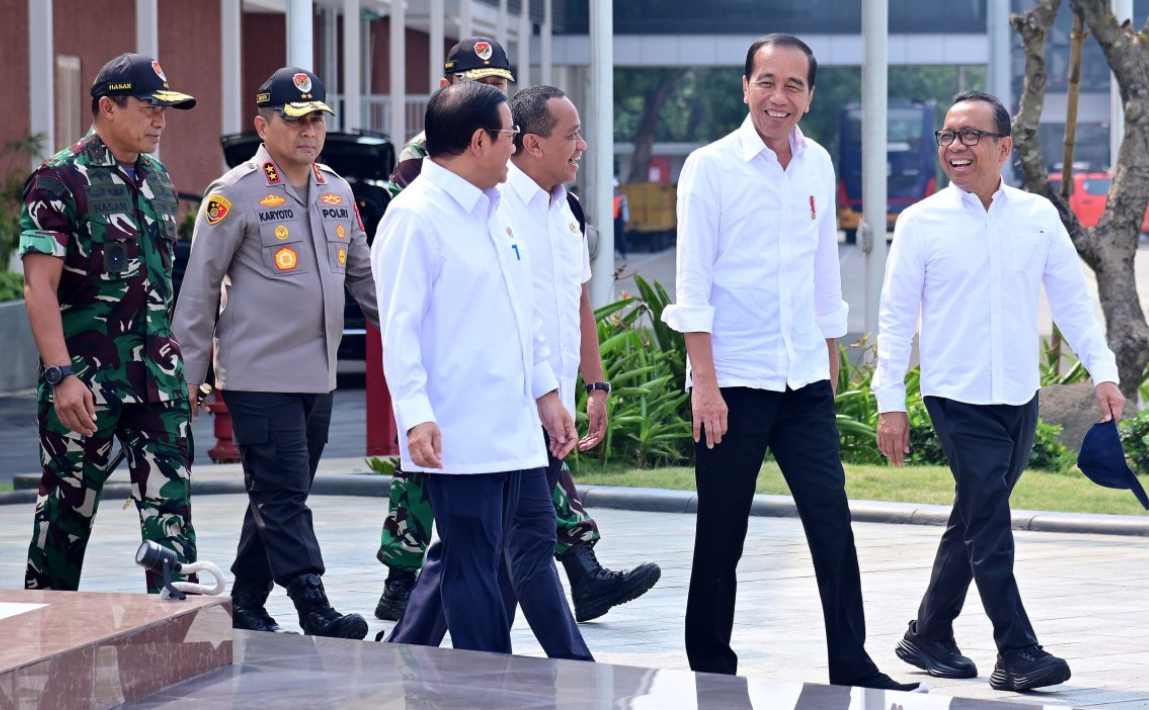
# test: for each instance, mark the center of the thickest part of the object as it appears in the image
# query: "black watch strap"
(55, 374)
(604, 386)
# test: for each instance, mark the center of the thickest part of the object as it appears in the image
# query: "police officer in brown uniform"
(275, 244)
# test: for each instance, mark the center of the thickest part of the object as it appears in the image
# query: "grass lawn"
(1037, 490)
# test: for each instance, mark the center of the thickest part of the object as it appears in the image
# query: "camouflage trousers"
(407, 529)
(157, 440)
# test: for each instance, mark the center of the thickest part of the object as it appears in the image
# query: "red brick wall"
(264, 40)
(418, 71)
(14, 57)
(189, 42)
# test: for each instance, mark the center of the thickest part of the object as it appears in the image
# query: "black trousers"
(798, 426)
(987, 447)
(281, 438)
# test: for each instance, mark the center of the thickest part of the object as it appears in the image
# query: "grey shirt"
(264, 283)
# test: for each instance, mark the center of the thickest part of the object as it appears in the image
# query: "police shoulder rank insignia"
(331, 199)
(217, 208)
(286, 259)
(271, 172)
(282, 232)
(340, 231)
(318, 175)
(272, 201)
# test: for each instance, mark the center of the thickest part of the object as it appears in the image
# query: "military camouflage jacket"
(116, 236)
(409, 164)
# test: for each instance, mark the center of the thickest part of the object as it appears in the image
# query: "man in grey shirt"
(276, 242)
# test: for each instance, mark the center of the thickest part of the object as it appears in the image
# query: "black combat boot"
(316, 616)
(595, 589)
(396, 592)
(247, 612)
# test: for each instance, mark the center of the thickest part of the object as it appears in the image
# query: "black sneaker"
(1028, 668)
(881, 681)
(942, 659)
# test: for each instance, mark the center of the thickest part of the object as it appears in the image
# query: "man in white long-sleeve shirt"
(759, 299)
(466, 364)
(971, 261)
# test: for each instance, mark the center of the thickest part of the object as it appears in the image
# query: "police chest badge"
(217, 208)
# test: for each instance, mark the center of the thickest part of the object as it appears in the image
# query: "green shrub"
(1135, 439)
(1049, 454)
(11, 286)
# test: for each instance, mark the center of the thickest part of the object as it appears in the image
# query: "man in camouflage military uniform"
(407, 528)
(275, 244)
(97, 241)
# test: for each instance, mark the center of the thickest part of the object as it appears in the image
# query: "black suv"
(365, 159)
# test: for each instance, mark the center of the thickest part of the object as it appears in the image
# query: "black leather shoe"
(881, 681)
(942, 659)
(595, 590)
(316, 616)
(1028, 668)
(396, 594)
(247, 610)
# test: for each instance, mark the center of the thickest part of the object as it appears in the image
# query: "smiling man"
(760, 303)
(969, 262)
(276, 242)
(97, 239)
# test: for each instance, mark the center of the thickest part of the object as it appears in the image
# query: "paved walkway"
(1087, 594)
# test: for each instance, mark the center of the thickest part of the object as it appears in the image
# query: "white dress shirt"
(758, 260)
(975, 277)
(460, 343)
(560, 264)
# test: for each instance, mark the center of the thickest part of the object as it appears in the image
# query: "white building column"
(396, 101)
(501, 22)
(524, 52)
(438, 20)
(999, 72)
(352, 75)
(466, 19)
(875, 98)
(231, 65)
(147, 29)
(300, 41)
(600, 175)
(1122, 10)
(546, 41)
(42, 77)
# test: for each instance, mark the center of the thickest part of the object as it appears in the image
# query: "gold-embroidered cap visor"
(487, 71)
(173, 99)
(302, 108)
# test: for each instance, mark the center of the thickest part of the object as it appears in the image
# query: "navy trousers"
(987, 447)
(483, 563)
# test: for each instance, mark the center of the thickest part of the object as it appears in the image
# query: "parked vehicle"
(911, 161)
(365, 159)
(1088, 195)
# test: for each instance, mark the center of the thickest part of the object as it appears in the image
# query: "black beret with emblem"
(477, 57)
(139, 76)
(294, 92)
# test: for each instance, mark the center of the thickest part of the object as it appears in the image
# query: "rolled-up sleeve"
(830, 312)
(1072, 307)
(48, 215)
(898, 315)
(405, 263)
(698, 220)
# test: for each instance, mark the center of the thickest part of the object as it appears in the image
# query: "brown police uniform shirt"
(264, 284)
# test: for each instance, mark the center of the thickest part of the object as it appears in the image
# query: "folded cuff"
(412, 412)
(689, 319)
(543, 380)
(891, 399)
(835, 323)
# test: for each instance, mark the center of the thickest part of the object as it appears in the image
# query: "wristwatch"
(55, 374)
(604, 386)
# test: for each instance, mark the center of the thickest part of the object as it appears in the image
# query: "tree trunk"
(648, 125)
(1110, 247)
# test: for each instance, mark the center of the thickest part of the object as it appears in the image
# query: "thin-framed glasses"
(512, 132)
(967, 136)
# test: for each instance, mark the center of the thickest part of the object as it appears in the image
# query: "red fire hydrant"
(225, 450)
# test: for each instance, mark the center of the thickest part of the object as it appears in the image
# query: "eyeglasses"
(968, 136)
(512, 131)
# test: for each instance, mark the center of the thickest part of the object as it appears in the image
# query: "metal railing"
(375, 113)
